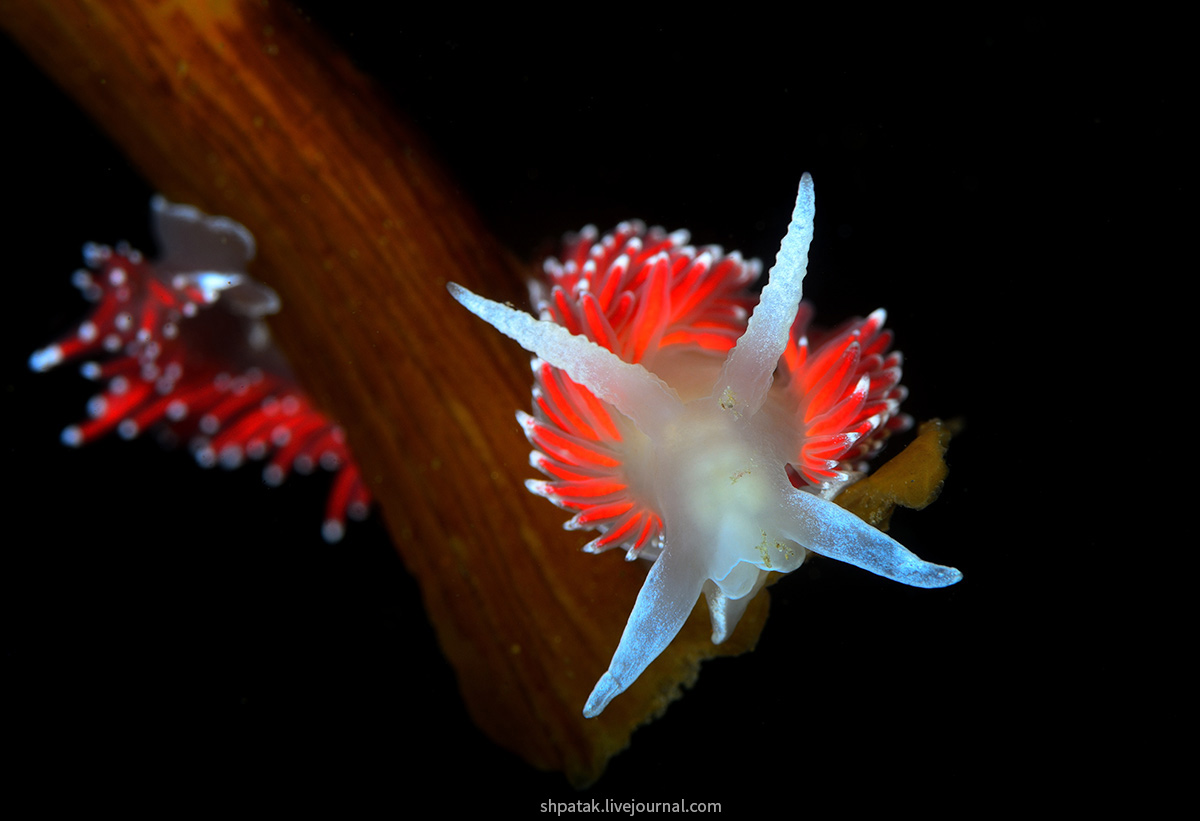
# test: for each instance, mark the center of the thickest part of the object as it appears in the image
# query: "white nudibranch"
(694, 437)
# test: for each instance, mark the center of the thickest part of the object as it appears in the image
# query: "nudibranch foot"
(183, 348)
(695, 447)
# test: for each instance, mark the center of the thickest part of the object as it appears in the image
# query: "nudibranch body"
(183, 349)
(693, 436)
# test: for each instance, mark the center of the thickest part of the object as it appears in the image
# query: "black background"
(1003, 186)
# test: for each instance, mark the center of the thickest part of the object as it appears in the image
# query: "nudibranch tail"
(719, 471)
(183, 348)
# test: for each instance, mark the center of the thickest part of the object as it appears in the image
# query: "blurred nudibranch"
(699, 427)
(180, 347)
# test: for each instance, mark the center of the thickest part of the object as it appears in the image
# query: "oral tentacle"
(663, 605)
(825, 528)
(648, 401)
(748, 371)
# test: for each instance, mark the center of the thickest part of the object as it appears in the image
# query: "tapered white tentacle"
(825, 528)
(631, 389)
(663, 605)
(749, 368)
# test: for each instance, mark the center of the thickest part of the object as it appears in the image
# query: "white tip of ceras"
(231, 457)
(333, 531)
(539, 488)
(95, 254)
(97, 406)
(273, 475)
(205, 456)
(71, 436)
(46, 358)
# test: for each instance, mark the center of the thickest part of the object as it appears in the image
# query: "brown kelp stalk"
(242, 109)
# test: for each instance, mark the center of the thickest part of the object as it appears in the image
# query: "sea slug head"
(739, 473)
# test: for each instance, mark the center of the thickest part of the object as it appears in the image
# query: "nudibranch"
(182, 348)
(695, 437)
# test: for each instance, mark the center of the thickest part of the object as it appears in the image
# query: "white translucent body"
(715, 468)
